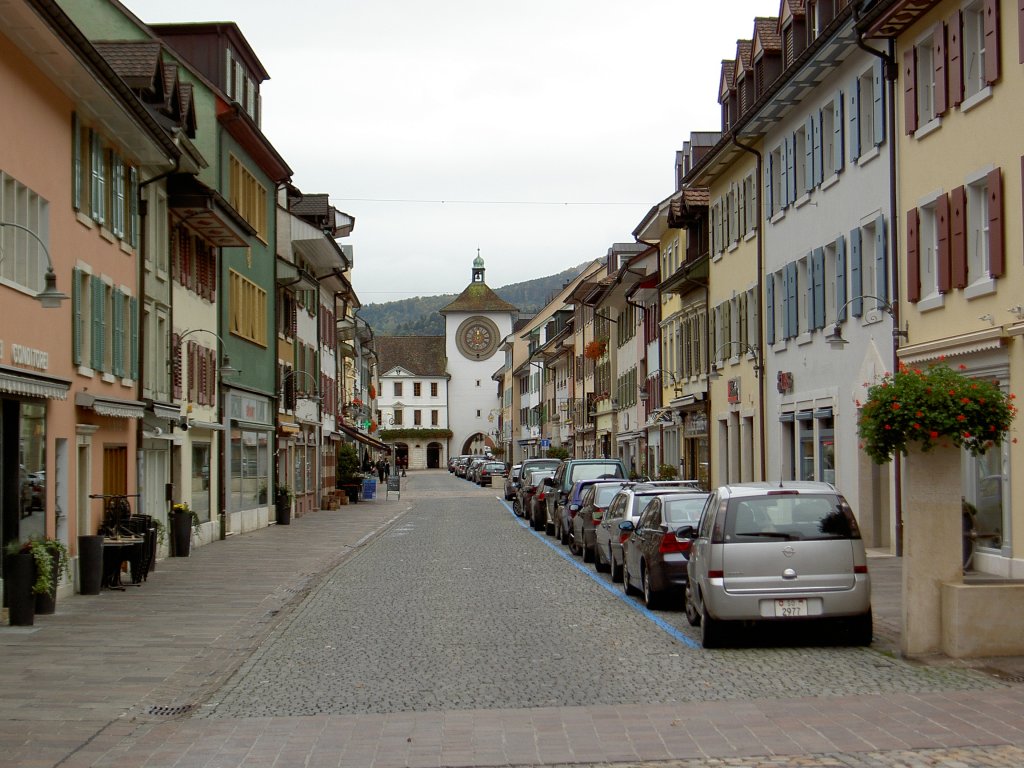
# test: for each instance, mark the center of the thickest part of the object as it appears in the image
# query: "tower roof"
(478, 297)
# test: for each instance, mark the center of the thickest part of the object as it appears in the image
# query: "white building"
(475, 325)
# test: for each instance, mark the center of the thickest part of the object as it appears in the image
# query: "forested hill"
(420, 316)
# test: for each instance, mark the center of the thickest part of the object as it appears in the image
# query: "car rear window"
(595, 471)
(536, 477)
(683, 511)
(604, 494)
(791, 517)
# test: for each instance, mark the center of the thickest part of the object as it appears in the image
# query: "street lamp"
(715, 373)
(835, 336)
(225, 368)
(316, 394)
(49, 297)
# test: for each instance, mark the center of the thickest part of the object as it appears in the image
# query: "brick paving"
(79, 688)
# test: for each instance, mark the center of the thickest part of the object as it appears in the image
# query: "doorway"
(433, 456)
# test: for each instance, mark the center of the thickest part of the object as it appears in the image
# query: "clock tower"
(474, 326)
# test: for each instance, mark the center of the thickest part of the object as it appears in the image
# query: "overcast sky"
(548, 127)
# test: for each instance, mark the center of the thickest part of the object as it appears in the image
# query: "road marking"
(593, 576)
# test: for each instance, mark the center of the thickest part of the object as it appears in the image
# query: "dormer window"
(240, 86)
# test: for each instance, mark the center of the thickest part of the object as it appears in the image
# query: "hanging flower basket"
(373, 392)
(595, 350)
(373, 426)
(930, 407)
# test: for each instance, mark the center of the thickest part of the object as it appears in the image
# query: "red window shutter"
(203, 362)
(939, 64)
(1020, 29)
(176, 366)
(991, 41)
(913, 248)
(996, 259)
(910, 90)
(214, 264)
(958, 236)
(293, 317)
(955, 54)
(942, 225)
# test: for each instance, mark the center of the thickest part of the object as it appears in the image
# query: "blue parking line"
(593, 576)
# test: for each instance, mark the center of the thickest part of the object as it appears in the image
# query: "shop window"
(201, 480)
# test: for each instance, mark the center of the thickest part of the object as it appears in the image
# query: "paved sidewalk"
(102, 683)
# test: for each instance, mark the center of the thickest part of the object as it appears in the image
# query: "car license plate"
(791, 607)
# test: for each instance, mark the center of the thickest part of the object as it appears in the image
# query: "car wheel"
(599, 564)
(692, 615)
(862, 629)
(627, 585)
(613, 566)
(517, 508)
(563, 537)
(712, 631)
(574, 548)
(651, 598)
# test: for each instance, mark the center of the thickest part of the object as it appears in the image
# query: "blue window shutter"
(840, 278)
(769, 201)
(769, 305)
(76, 162)
(819, 287)
(791, 171)
(881, 273)
(133, 306)
(809, 290)
(794, 301)
(819, 159)
(837, 128)
(879, 83)
(133, 207)
(98, 325)
(854, 136)
(117, 333)
(784, 174)
(809, 153)
(94, 175)
(76, 316)
(856, 276)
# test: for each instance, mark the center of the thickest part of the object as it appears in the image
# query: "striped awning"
(19, 382)
(111, 406)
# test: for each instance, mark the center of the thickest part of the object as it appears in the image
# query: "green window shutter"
(117, 334)
(133, 207)
(133, 331)
(76, 316)
(76, 162)
(96, 308)
(116, 194)
(96, 177)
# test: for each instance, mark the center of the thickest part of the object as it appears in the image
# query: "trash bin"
(369, 488)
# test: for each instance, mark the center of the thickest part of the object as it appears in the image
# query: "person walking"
(382, 470)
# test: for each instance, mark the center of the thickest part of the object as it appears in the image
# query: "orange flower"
(962, 367)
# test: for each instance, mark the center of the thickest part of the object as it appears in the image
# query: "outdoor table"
(115, 552)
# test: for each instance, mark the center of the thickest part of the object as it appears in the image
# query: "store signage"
(784, 382)
(696, 424)
(733, 390)
(27, 356)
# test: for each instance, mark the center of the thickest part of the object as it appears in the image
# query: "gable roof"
(478, 297)
(766, 32)
(421, 355)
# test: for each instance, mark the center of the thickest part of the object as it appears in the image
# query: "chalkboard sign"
(395, 485)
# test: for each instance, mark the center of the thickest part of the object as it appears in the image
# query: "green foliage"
(415, 434)
(558, 453)
(667, 472)
(419, 316)
(348, 462)
(43, 551)
(933, 405)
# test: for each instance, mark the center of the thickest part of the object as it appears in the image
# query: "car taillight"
(597, 515)
(540, 497)
(716, 574)
(670, 544)
(860, 569)
(623, 536)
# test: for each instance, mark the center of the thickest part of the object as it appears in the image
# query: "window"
(22, 258)
(104, 184)
(247, 309)
(832, 137)
(829, 282)
(104, 326)
(398, 389)
(977, 231)
(417, 417)
(925, 77)
(804, 297)
(398, 417)
(775, 178)
(434, 417)
(973, 41)
(804, 164)
(248, 197)
(415, 389)
(866, 112)
(433, 389)
(749, 209)
(929, 251)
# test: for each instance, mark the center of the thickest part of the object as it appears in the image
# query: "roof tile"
(421, 355)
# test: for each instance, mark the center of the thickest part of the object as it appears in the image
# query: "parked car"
(488, 471)
(568, 473)
(532, 482)
(511, 481)
(567, 512)
(455, 461)
(474, 468)
(777, 552)
(596, 496)
(655, 556)
(628, 504)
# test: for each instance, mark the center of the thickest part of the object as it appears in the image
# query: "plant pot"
(46, 603)
(18, 581)
(352, 491)
(283, 509)
(90, 564)
(181, 534)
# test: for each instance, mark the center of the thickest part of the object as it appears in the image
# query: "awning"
(288, 429)
(21, 382)
(165, 410)
(366, 439)
(111, 406)
(207, 212)
(964, 344)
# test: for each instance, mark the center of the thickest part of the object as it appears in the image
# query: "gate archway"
(477, 444)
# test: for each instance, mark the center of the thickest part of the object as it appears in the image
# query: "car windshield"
(595, 471)
(790, 516)
(683, 511)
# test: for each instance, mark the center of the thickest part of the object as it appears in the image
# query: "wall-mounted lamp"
(225, 368)
(835, 336)
(49, 297)
(316, 394)
(715, 373)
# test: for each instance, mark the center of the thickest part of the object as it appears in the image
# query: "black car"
(488, 471)
(655, 558)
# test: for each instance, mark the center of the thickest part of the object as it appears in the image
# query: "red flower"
(887, 426)
(933, 435)
(961, 417)
(895, 406)
(965, 399)
(916, 425)
(962, 367)
(919, 414)
(967, 435)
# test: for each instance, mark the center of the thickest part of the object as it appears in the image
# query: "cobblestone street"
(438, 631)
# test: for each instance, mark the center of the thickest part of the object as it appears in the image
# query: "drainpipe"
(760, 304)
(889, 62)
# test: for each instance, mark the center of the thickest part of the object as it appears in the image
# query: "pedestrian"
(382, 469)
(404, 463)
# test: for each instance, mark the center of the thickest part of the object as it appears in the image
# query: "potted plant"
(348, 471)
(184, 523)
(29, 572)
(595, 349)
(283, 504)
(667, 472)
(60, 565)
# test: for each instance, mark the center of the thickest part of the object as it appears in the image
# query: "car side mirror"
(627, 525)
(548, 481)
(686, 532)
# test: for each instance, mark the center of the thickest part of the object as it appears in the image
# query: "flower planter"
(181, 534)
(90, 564)
(18, 581)
(46, 602)
(283, 509)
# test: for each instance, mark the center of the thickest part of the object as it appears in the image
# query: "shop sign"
(249, 409)
(27, 356)
(733, 390)
(696, 424)
(784, 382)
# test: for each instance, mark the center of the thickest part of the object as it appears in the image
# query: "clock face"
(477, 338)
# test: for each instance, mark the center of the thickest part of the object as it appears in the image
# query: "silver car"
(778, 552)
